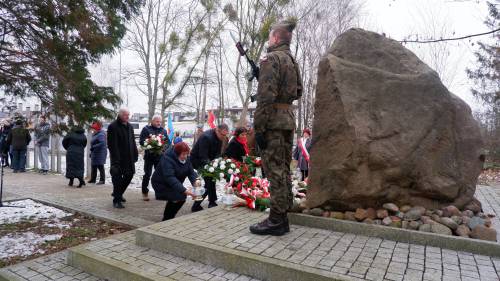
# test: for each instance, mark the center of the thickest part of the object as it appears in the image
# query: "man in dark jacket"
(19, 138)
(151, 159)
(207, 148)
(123, 155)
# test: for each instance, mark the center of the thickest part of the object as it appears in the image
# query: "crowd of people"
(166, 172)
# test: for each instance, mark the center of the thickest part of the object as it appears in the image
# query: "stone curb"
(260, 267)
(107, 268)
(7, 276)
(81, 211)
(400, 235)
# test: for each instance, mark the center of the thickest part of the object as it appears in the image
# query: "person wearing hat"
(168, 178)
(98, 153)
(301, 153)
(274, 124)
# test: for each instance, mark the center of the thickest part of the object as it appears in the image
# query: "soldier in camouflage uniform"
(274, 123)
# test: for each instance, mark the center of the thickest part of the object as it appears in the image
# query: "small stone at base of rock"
(405, 208)
(368, 221)
(326, 214)
(449, 223)
(414, 225)
(317, 212)
(440, 229)
(451, 211)
(371, 213)
(468, 213)
(381, 213)
(484, 233)
(463, 231)
(360, 214)
(391, 207)
(475, 221)
(349, 216)
(425, 227)
(387, 221)
(337, 215)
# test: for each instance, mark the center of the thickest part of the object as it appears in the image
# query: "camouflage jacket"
(279, 86)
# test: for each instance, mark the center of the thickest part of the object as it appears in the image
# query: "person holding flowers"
(154, 140)
(238, 147)
(167, 181)
(207, 148)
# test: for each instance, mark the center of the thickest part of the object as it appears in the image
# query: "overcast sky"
(396, 18)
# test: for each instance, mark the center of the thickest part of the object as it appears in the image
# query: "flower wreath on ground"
(155, 144)
(242, 187)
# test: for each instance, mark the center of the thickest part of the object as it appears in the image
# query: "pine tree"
(46, 46)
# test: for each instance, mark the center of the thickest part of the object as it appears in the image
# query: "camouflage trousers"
(276, 160)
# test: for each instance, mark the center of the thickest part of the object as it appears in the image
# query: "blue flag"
(171, 131)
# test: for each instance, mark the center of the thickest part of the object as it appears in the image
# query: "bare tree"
(319, 23)
(147, 33)
(252, 21)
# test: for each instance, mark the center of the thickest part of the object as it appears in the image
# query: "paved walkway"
(350, 254)
(347, 254)
(94, 199)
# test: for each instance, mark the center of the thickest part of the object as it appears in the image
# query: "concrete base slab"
(400, 235)
(120, 259)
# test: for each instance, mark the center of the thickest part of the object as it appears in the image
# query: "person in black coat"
(98, 153)
(123, 155)
(207, 148)
(75, 143)
(151, 159)
(168, 179)
(237, 147)
(4, 149)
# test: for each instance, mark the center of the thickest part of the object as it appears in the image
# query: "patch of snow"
(23, 244)
(32, 211)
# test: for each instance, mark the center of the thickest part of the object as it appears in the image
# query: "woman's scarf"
(244, 143)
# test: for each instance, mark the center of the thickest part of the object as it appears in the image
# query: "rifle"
(255, 68)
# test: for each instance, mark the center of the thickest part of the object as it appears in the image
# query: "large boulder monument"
(386, 129)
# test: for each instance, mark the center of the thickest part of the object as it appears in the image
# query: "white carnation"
(222, 167)
(236, 179)
(230, 171)
(233, 166)
(149, 147)
(221, 175)
(211, 169)
(237, 171)
(228, 161)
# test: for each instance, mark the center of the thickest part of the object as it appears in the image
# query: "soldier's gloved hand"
(261, 141)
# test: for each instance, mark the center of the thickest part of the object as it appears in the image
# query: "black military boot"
(275, 224)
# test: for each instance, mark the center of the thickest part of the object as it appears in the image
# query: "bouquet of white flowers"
(155, 144)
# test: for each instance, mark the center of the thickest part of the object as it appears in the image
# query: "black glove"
(115, 170)
(261, 141)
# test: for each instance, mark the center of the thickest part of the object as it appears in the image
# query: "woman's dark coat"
(75, 143)
(169, 176)
(235, 150)
(297, 155)
(98, 150)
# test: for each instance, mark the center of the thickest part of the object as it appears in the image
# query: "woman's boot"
(71, 182)
(82, 182)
